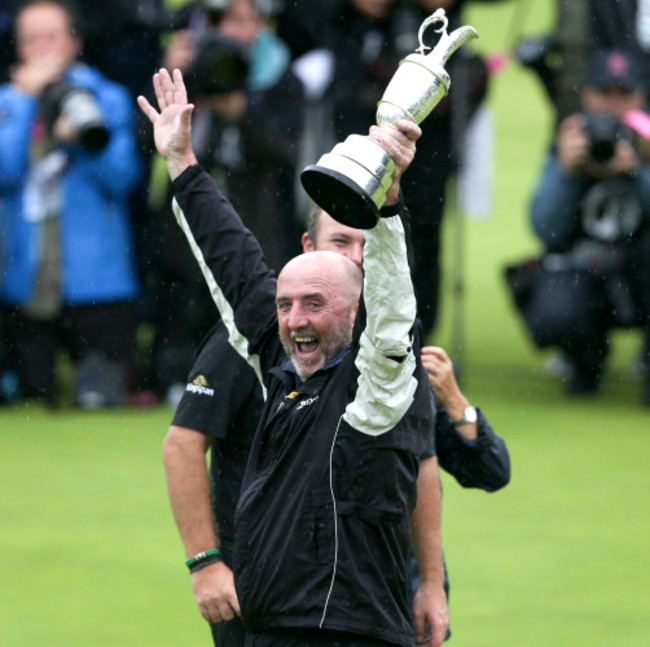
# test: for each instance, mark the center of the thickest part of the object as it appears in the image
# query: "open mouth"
(306, 347)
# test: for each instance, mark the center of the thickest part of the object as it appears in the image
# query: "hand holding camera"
(573, 144)
(33, 75)
(597, 145)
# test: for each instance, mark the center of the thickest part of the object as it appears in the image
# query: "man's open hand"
(172, 125)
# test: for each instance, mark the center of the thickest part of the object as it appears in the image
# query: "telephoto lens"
(79, 107)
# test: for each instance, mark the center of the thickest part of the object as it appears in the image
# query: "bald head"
(317, 300)
(326, 267)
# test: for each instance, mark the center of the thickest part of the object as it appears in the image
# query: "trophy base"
(340, 197)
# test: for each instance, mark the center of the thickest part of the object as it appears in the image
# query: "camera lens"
(83, 112)
(80, 109)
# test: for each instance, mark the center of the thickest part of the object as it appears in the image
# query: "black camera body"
(80, 108)
(604, 130)
(220, 66)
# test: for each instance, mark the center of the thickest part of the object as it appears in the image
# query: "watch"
(469, 416)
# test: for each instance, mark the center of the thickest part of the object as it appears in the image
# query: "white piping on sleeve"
(235, 337)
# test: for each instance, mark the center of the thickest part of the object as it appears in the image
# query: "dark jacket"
(322, 525)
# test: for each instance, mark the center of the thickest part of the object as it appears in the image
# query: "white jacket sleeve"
(386, 361)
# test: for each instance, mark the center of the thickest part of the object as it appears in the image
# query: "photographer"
(591, 210)
(248, 125)
(217, 84)
(68, 162)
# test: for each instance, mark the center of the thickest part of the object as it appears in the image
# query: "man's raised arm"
(386, 360)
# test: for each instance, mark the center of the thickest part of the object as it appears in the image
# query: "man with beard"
(322, 523)
(219, 412)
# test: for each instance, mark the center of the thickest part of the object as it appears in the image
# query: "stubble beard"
(329, 349)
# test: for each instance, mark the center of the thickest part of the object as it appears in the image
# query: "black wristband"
(390, 210)
(208, 561)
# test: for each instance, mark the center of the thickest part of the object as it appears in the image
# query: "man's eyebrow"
(302, 297)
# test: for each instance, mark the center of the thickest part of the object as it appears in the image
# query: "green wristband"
(199, 557)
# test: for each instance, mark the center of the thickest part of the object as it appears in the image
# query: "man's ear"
(353, 313)
(307, 243)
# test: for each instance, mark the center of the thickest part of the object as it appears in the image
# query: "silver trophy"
(351, 181)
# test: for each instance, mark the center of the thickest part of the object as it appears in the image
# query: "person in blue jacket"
(68, 164)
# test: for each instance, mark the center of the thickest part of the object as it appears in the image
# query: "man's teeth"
(304, 340)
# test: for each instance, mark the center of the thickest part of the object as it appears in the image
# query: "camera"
(79, 107)
(220, 66)
(604, 130)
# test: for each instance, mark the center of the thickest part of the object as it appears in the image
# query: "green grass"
(89, 555)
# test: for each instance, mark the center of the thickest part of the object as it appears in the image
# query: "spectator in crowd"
(328, 403)
(217, 83)
(582, 27)
(247, 128)
(561, 59)
(622, 25)
(591, 210)
(68, 162)
(262, 188)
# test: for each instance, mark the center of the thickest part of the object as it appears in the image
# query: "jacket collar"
(287, 374)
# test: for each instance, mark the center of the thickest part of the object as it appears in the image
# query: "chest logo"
(306, 402)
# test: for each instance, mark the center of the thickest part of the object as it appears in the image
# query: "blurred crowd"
(94, 268)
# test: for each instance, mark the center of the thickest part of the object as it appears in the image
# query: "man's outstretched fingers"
(180, 93)
(147, 108)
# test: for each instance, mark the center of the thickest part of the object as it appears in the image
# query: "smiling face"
(317, 301)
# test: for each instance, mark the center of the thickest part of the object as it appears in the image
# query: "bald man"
(322, 524)
(218, 413)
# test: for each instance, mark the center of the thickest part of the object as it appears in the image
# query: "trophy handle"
(448, 43)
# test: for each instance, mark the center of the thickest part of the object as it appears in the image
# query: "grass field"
(89, 555)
